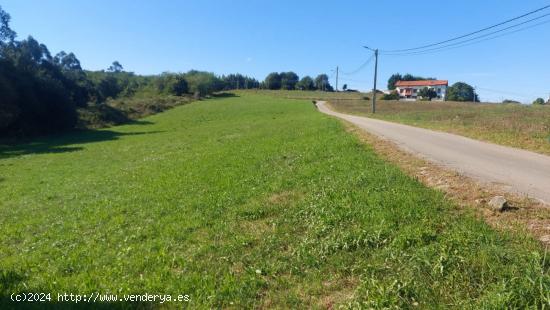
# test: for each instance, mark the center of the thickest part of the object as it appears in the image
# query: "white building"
(408, 90)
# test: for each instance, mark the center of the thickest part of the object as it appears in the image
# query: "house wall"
(440, 90)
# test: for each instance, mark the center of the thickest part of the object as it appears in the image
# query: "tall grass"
(515, 125)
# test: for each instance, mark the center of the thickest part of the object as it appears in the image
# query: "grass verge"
(515, 125)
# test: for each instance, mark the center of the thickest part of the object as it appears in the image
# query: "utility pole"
(336, 78)
(375, 77)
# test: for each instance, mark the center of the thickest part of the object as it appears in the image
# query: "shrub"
(391, 96)
(461, 92)
(539, 101)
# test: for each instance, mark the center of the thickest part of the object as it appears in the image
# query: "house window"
(414, 90)
(401, 90)
(439, 90)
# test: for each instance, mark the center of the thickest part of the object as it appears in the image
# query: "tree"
(345, 87)
(179, 87)
(393, 79)
(461, 92)
(410, 77)
(6, 34)
(391, 96)
(539, 101)
(108, 87)
(322, 83)
(407, 77)
(67, 62)
(427, 93)
(306, 83)
(116, 67)
(239, 81)
(288, 80)
(203, 83)
(273, 81)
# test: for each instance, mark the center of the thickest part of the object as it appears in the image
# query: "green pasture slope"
(247, 201)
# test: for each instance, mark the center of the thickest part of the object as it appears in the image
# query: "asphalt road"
(515, 170)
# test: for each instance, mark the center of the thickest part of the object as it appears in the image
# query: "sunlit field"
(248, 201)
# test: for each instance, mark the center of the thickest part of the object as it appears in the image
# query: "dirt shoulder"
(523, 213)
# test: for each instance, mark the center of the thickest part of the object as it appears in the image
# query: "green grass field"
(521, 126)
(248, 201)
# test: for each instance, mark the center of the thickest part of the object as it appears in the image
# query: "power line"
(353, 80)
(475, 41)
(469, 34)
(361, 67)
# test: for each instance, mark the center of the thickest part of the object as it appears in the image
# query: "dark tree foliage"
(461, 92)
(289, 80)
(115, 67)
(7, 35)
(203, 83)
(239, 81)
(273, 81)
(393, 79)
(427, 93)
(539, 101)
(179, 86)
(38, 96)
(391, 96)
(306, 83)
(322, 83)
(407, 77)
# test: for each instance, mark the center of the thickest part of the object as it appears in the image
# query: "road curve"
(515, 170)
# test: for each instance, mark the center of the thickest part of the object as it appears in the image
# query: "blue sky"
(308, 37)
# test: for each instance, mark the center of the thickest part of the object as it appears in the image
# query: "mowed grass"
(248, 202)
(515, 125)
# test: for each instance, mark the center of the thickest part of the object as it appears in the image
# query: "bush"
(427, 94)
(391, 96)
(539, 101)
(119, 111)
(203, 83)
(461, 92)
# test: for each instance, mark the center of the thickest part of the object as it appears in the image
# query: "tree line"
(291, 81)
(40, 93)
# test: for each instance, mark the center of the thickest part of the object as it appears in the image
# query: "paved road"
(515, 170)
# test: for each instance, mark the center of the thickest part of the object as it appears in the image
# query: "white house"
(408, 90)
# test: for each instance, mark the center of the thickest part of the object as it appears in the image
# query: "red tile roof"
(422, 83)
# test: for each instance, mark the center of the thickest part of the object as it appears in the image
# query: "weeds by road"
(515, 125)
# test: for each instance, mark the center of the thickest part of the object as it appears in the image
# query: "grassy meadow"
(515, 125)
(248, 201)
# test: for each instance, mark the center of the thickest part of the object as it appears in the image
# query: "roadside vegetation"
(515, 125)
(248, 201)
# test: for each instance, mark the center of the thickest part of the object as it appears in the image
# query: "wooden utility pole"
(375, 78)
(336, 78)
